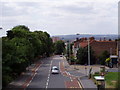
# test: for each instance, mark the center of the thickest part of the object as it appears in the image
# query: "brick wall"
(101, 46)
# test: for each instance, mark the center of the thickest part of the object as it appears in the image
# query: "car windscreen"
(55, 68)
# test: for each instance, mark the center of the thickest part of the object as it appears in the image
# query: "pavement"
(23, 80)
(113, 70)
(81, 72)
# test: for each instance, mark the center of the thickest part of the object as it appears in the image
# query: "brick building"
(98, 46)
(54, 39)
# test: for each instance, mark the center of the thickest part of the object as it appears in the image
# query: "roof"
(85, 43)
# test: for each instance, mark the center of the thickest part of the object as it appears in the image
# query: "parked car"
(55, 70)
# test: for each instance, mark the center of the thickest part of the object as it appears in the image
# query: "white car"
(54, 70)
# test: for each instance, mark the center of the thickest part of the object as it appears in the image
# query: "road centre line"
(48, 75)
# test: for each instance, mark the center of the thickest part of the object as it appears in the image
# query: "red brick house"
(100, 46)
(54, 39)
(97, 46)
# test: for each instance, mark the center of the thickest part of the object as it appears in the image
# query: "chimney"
(110, 39)
(77, 39)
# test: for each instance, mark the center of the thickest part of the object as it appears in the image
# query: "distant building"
(55, 39)
(98, 46)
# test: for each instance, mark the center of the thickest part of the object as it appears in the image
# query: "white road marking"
(33, 76)
(79, 84)
(71, 79)
(49, 75)
(59, 67)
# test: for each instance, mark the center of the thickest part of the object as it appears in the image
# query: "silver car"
(54, 70)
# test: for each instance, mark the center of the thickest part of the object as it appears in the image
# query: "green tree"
(18, 31)
(69, 50)
(20, 27)
(47, 44)
(59, 47)
(20, 48)
(82, 56)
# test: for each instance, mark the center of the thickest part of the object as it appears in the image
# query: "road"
(44, 79)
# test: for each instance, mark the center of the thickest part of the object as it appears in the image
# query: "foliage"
(82, 56)
(103, 57)
(20, 27)
(20, 47)
(59, 47)
(69, 49)
(72, 59)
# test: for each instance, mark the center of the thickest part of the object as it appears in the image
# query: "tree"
(20, 47)
(82, 56)
(20, 27)
(59, 47)
(47, 44)
(69, 50)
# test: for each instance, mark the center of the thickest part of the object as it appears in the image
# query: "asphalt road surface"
(43, 77)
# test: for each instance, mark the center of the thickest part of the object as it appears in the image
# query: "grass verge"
(111, 80)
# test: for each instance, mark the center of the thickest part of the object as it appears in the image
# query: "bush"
(103, 57)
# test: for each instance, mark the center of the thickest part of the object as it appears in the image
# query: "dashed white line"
(48, 75)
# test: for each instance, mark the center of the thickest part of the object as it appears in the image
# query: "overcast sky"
(61, 17)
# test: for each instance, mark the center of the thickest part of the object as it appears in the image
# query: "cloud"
(76, 9)
(105, 1)
(62, 16)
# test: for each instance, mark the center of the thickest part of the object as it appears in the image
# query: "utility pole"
(69, 52)
(88, 54)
